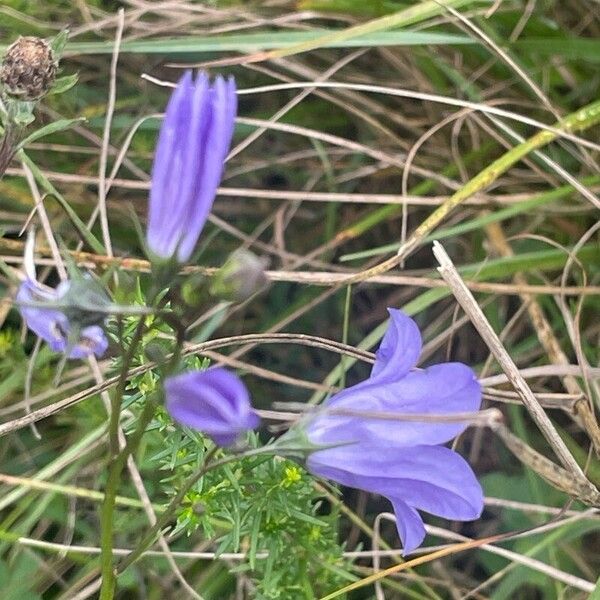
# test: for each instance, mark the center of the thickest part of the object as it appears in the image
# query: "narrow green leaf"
(479, 222)
(571, 48)
(58, 43)
(62, 84)
(55, 127)
(81, 227)
(252, 42)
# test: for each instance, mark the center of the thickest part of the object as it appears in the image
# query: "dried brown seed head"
(28, 69)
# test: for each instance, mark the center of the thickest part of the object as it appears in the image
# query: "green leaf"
(254, 534)
(479, 222)
(58, 44)
(46, 184)
(63, 84)
(55, 127)
(16, 580)
(569, 48)
(252, 42)
(23, 112)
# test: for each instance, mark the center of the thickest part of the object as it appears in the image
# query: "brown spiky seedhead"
(28, 69)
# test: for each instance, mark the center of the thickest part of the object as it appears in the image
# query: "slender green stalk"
(8, 146)
(580, 120)
(403, 18)
(116, 463)
(107, 518)
(388, 30)
(118, 457)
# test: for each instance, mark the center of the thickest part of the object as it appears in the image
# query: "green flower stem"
(118, 457)
(116, 463)
(108, 572)
(9, 143)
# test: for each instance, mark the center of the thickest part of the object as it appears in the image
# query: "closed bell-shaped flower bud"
(242, 276)
(193, 143)
(215, 402)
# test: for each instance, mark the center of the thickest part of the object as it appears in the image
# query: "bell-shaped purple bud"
(188, 163)
(215, 402)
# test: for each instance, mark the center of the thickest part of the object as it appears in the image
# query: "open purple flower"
(188, 163)
(402, 460)
(215, 402)
(53, 325)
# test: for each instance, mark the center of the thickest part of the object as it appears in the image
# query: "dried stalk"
(557, 476)
(583, 411)
(467, 301)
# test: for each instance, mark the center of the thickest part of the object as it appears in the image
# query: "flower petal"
(47, 323)
(431, 478)
(167, 168)
(215, 402)
(52, 325)
(91, 341)
(222, 106)
(439, 390)
(193, 401)
(192, 146)
(399, 349)
(409, 524)
(190, 216)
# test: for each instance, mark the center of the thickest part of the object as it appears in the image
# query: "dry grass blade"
(472, 309)
(271, 338)
(318, 278)
(557, 476)
(580, 120)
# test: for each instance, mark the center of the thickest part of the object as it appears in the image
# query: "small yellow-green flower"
(292, 475)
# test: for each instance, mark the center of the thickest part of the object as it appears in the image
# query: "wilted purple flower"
(215, 402)
(188, 163)
(402, 460)
(52, 325)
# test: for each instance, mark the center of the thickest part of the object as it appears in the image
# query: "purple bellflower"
(215, 402)
(188, 163)
(52, 325)
(401, 460)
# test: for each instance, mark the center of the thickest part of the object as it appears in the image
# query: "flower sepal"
(164, 270)
(194, 290)
(295, 444)
(84, 301)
